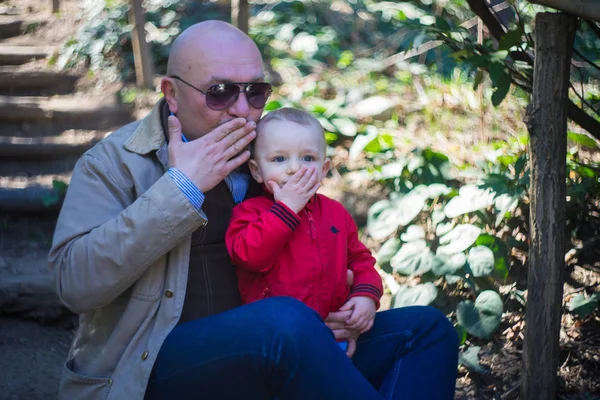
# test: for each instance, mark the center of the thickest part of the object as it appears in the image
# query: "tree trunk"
(240, 14)
(547, 123)
(144, 68)
(588, 9)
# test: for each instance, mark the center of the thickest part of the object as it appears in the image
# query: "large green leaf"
(458, 239)
(413, 232)
(481, 261)
(382, 219)
(582, 305)
(413, 258)
(504, 203)
(583, 140)
(448, 265)
(386, 252)
(470, 359)
(345, 126)
(386, 216)
(470, 198)
(482, 318)
(420, 295)
(500, 250)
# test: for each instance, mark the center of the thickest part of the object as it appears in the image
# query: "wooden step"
(14, 167)
(70, 143)
(10, 26)
(14, 80)
(77, 112)
(16, 55)
(30, 194)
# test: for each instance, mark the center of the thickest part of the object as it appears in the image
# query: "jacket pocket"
(149, 286)
(74, 386)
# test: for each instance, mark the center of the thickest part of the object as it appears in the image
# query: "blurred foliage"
(370, 70)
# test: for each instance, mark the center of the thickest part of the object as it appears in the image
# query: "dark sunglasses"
(224, 95)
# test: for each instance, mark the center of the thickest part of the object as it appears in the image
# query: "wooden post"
(547, 123)
(144, 68)
(55, 6)
(240, 14)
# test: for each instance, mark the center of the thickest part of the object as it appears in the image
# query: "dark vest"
(212, 284)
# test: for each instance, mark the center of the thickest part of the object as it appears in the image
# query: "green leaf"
(470, 198)
(461, 332)
(443, 228)
(386, 252)
(470, 359)
(478, 79)
(446, 265)
(583, 140)
(458, 239)
(481, 261)
(511, 38)
(500, 250)
(345, 126)
(413, 232)
(582, 305)
(420, 295)
(360, 142)
(482, 318)
(382, 220)
(500, 81)
(442, 24)
(273, 105)
(435, 190)
(505, 204)
(386, 216)
(413, 258)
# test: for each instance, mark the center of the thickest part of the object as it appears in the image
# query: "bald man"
(139, 254)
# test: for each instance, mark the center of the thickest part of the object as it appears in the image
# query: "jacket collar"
(150, 134)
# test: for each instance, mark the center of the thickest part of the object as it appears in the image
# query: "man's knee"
(291, 316)
(442, 323)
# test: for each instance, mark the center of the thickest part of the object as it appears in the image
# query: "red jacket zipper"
(311, 221)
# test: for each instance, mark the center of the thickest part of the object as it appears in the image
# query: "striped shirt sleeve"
(191, 191)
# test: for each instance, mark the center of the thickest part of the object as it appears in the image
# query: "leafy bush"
(457, 229)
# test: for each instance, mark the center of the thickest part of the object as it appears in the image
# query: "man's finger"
(349, 277)
(237, 161)
(174, 127)
(351, 348)
(242, 143)
(224, 130)
(339, 316)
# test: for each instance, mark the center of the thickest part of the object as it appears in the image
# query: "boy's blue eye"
(279, 159)
(309, 158)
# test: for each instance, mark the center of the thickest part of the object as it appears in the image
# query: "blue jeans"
(280, 348)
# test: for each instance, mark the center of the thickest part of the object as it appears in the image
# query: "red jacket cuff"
(367, 290)
(286, 215)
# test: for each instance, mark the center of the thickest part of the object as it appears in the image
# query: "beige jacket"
(120, 260)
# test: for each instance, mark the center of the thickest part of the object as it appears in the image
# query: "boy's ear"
(326, 166)
(255, 171)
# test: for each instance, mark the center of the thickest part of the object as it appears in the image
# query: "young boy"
(292, 241)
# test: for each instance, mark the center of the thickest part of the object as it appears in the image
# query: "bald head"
(209, 42)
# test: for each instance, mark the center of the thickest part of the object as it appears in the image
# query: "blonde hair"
(293, 115)
(300, 117)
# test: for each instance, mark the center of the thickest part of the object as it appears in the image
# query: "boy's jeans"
(280, 348)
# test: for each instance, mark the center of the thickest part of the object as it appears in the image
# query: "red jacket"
(280, 253)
